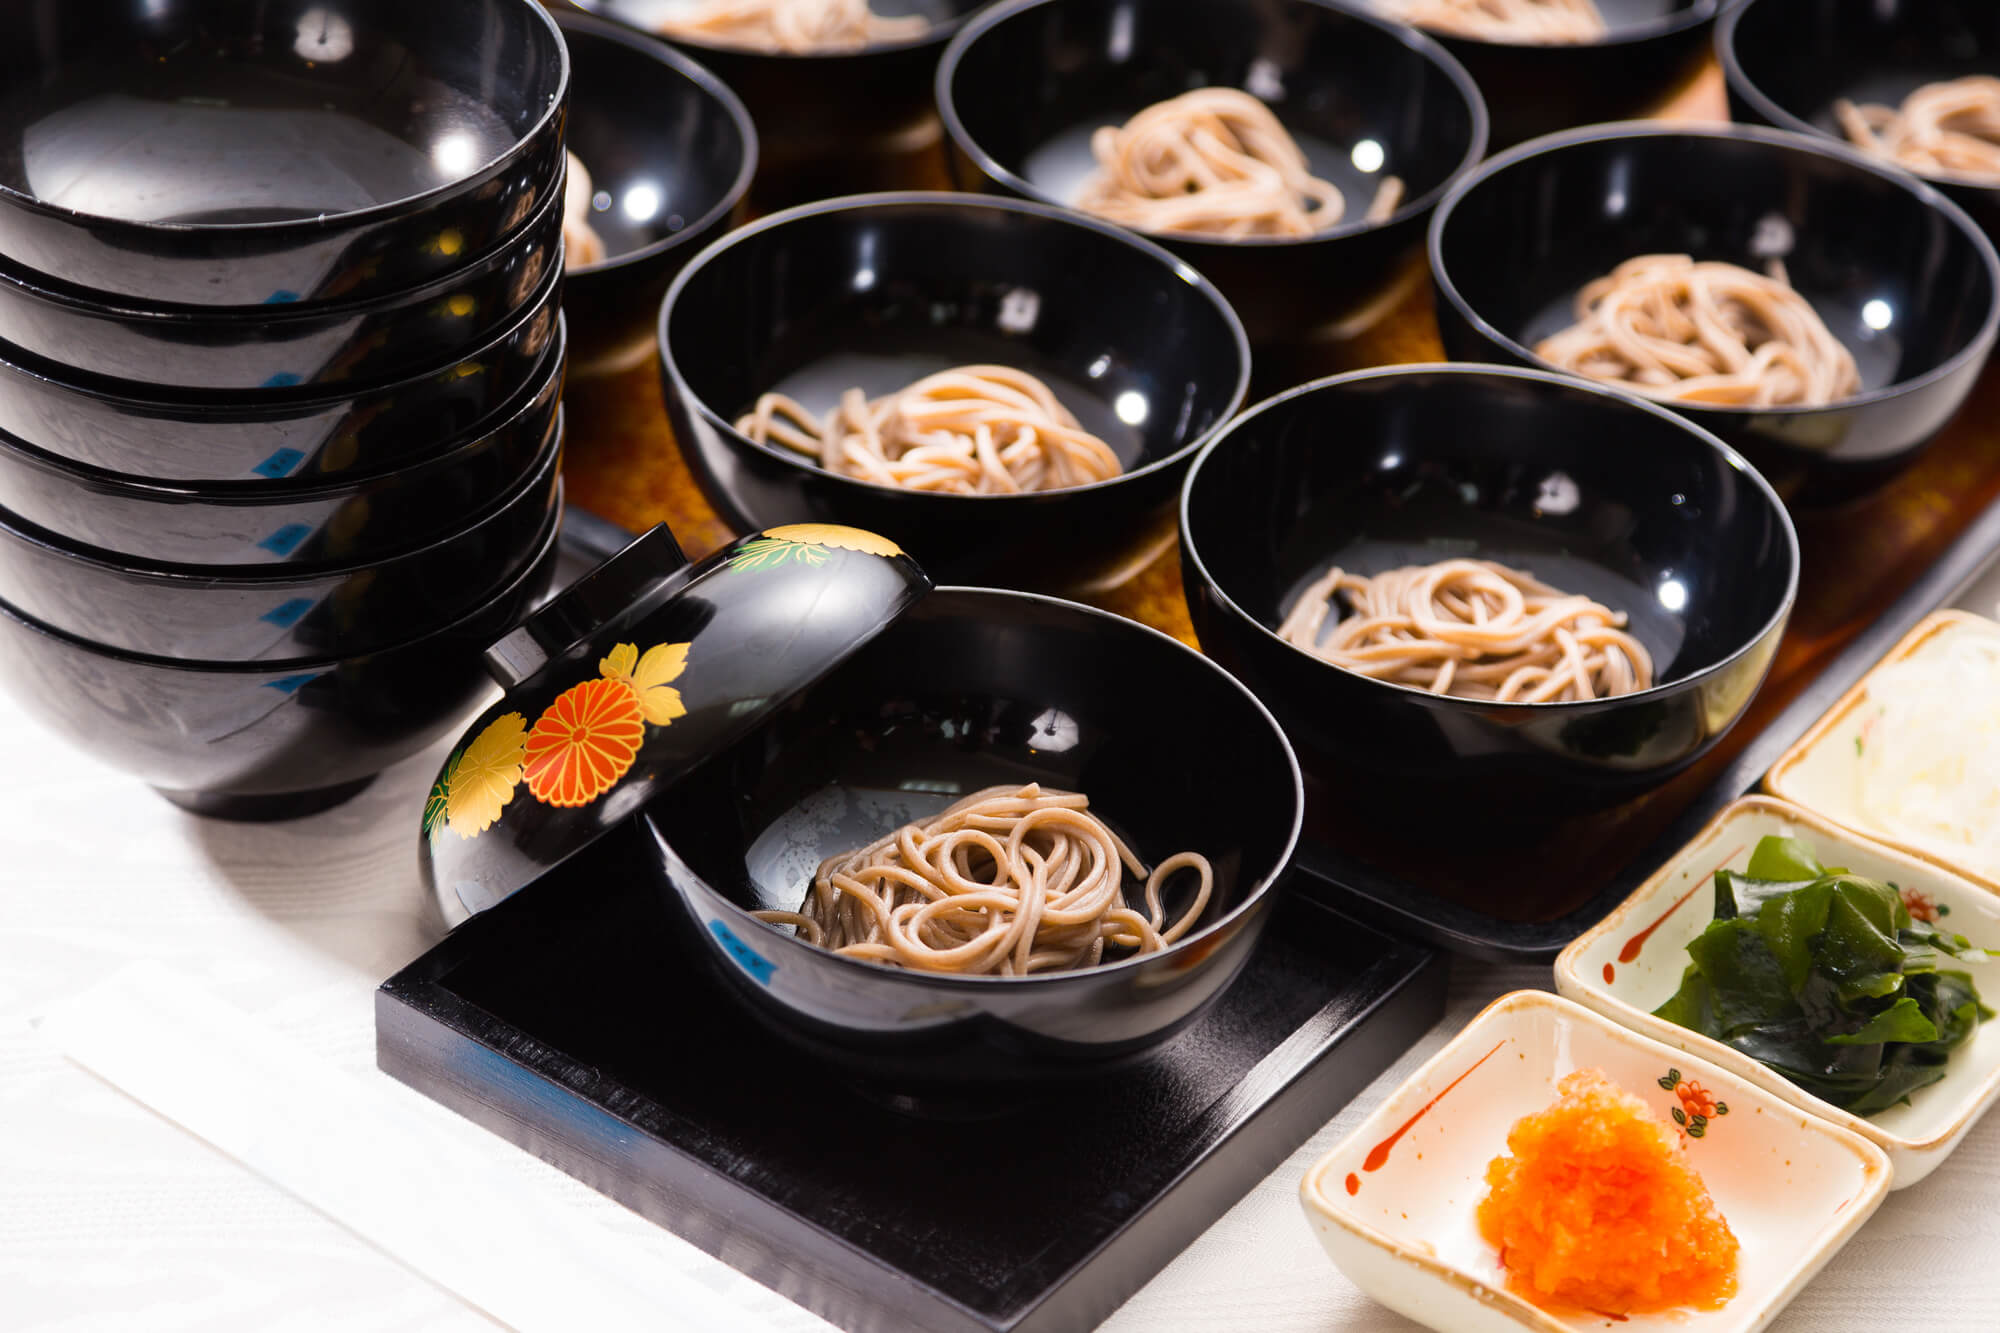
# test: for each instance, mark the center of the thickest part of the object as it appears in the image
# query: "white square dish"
(1630, 963)
(1823, 770)
(1393, 1204)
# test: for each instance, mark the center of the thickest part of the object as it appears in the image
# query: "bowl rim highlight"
(1422, 43)
(1978, 345)
(949, 200)
(1254, 893)
(412, 203)
(1729, 458)
(701, 77)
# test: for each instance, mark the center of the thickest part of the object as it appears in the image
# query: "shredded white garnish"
(1930, 750)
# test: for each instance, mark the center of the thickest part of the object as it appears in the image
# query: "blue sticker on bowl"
(756, 964)
(292, 684)
(286, 539)
(289, 613)
(279, 464)
(284, 379)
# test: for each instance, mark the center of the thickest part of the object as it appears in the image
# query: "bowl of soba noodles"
(660, 157)
(840, 90)
(1009, 391)
(1547, 65)
(1011, 839)
(1482, 599)
(1824, 312)
(1917, 84)
(1290, 150)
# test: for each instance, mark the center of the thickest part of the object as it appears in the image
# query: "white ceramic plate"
(1822, 771)
(1605, 969)
(1400, 1221)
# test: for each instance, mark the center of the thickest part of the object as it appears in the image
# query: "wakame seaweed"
(1825, 977)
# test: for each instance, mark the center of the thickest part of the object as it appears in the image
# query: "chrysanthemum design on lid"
(643, 669)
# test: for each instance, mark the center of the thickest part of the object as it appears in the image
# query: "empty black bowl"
(1650, 48)
(1897, 271)
(267, 740)
(271, 347)
(1591, 490)
(354, 516)
(820, 117)
(211, 152)
(264, 613)
(881, 290)
(671, 152)
(1025, 84)
(1787, 62)
(239, 435)
(973, 688)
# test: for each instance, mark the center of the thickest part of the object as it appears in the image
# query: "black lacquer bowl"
(266, 613)
(877, 292)
(267, 740)
(1650, 48)
(1898, 272)
(239, 435)
(1025, 84)
(294, 521)
(973, 688)
(1589, 489)
(343, 343)
(212, 152)
(670, 151)
(821, 116)
(1786, 62)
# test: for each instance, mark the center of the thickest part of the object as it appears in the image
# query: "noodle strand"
(798, 27)
(1942, 129)
(1008, 881)
(1542, 22)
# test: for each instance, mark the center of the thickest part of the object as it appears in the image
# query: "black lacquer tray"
(1399, 905)
(570, 1020)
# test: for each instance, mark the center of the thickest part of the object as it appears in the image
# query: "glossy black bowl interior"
(1899, 274)
(238, 435)
(224, 153)
(273, 739)
(879, 291)
(1786, 62)
(1591, 491)
(1023, 87)
(670, 151)
(826, 122)
(266, 613)
(204, 348)
(1650, 47)
(352, 517)
(974, 688)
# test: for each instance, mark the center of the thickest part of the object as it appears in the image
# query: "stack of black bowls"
(280, 371)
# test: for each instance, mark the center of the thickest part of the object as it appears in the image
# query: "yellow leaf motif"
(648, 676)
(486, 776)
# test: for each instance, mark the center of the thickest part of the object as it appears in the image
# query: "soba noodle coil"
(581, 243)
(793, 27)
(1686, 332)
(1472, 629)
(971, 430)
(1949, 129)
(1544, 22)
(1009, 881)
(1214, 162)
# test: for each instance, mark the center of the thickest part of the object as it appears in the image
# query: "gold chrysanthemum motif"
(650, 677)
(484, 779)
(834, 535)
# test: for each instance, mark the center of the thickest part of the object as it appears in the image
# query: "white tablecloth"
(113, 1218)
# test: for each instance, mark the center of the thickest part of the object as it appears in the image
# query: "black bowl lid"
(631, 678)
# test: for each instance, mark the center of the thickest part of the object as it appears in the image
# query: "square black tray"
(570, 1020)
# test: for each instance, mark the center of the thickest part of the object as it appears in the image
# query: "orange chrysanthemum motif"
(584, 742)
(833, 534)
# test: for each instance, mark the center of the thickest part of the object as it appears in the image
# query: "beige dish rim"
(1875, 1167)
(1774, 781)
(1646, 1025)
